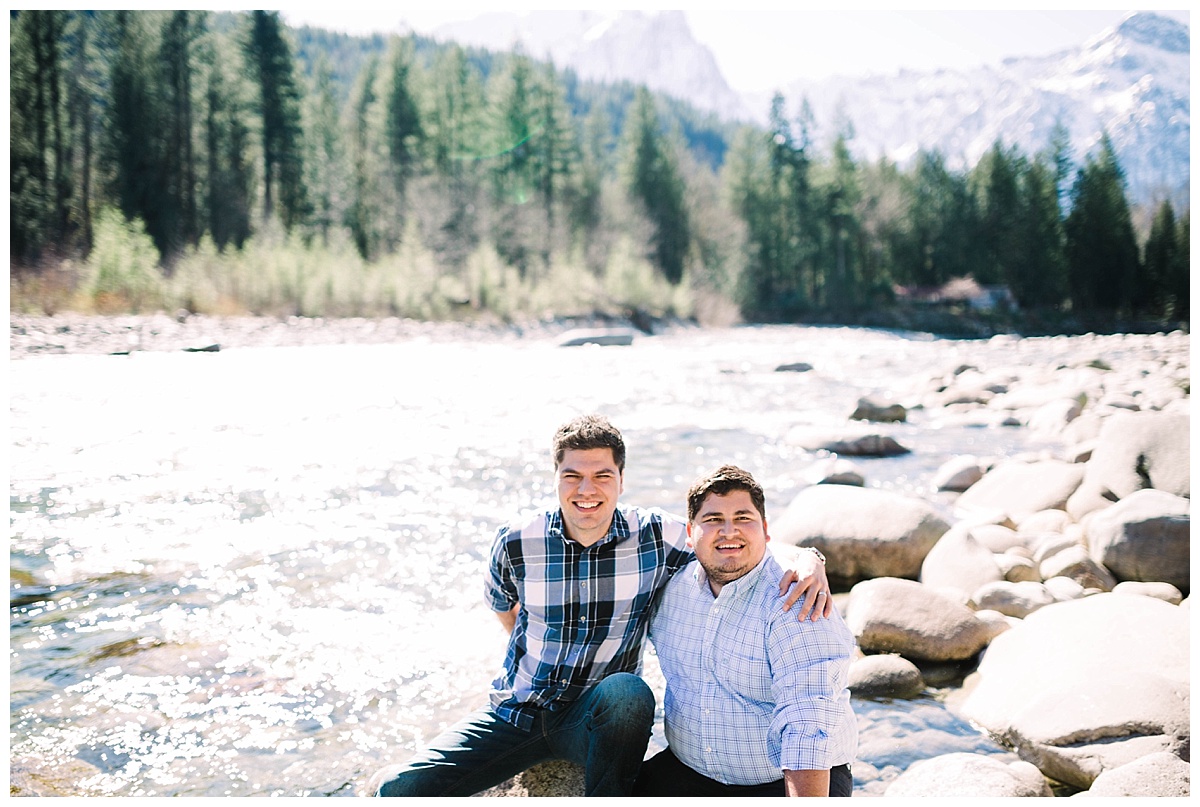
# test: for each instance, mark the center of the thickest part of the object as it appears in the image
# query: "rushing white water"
(260, 571)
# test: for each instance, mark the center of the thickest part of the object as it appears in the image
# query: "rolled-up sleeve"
(500, 588)
(810, 664)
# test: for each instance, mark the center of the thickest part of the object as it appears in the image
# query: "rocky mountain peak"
(1156, 31)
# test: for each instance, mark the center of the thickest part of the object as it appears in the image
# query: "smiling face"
(589, 483)
(729, 535)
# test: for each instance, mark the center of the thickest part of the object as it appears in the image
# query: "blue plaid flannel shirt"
(751, 690)
(584, 610)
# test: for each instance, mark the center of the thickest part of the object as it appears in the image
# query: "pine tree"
(939, 241)
(37, 135)
(229, 174)
(177, 221)
(1038, 277)
(365, 200)
(842, 196)
(324, 156)
(1158, 261)
(270, 59)
(1102, 252)
(655, 184)
(454, 140)
(403, 123)
(136, 128)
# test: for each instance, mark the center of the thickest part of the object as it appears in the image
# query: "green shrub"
(122, 271)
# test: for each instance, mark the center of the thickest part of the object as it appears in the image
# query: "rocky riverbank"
(1060, 584)
(67, 333)
(1043, 596)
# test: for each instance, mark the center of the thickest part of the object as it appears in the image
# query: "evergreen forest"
(224, 163)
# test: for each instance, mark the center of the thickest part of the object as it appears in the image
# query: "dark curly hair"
(722, 481)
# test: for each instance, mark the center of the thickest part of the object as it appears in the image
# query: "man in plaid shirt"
(573, 585)
(756, 702)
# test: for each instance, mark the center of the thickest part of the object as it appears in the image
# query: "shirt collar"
(735, 587)
(617, 531)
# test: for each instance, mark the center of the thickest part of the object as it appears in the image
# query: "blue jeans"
(606, 731)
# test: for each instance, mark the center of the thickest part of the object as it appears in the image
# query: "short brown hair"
(589, 431)
(723, 481)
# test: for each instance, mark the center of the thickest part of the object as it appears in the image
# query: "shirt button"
(708, 750)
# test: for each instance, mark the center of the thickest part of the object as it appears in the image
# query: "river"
(259, 571)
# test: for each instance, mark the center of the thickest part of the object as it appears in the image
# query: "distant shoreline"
(69, 333)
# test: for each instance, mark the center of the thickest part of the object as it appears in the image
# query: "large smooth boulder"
(970, 775)
(885, 676)
(1160, 591)
(1160, 774)
(959, 473)
(864, 532)
(849, 441)
(1136, 450)
(1020, 489)
(1086, 686)
(1145, 536)
(1051, 418)
(1012, 599)
(890, 615)
(959, 562)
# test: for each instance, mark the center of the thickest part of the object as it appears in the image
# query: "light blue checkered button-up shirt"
(751, 690)
(584, 610)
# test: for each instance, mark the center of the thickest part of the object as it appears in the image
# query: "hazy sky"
(757, 50)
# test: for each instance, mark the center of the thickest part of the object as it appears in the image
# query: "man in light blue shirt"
(756, 703)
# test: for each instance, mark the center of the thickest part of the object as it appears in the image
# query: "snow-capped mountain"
(655, 49)
(1132, 80)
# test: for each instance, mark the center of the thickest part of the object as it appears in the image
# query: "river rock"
(1051, 418)
(997, 537)
(958, 473)
(969, 775)
(39, 777)
(1086, 686)
(959, 562)
(864, 532)
(1135, 450)
(890, 615)
(596, 336)
(1159, 591)
(1017, 568)
(834, 471)
(1075, 563)
(1159, 774)
(1021, 489)
(794, 367)
(1045, 521)
(1064, 588)
(885, 676)
(1012, 599)
(1145, 536)
(879, 412)
(556, 778)
(850, 442)
(1050, 544)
